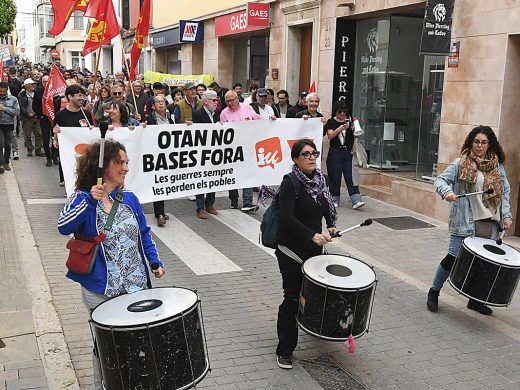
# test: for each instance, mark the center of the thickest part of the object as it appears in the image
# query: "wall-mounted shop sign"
(166, 38)
(258, 14)
(191, 31)
(453, 58)
(344, 61)
(234, 23)
(436, 34)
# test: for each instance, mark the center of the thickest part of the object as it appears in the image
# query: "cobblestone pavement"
(407, 347)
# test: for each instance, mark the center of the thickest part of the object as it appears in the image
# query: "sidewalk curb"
(49, 333)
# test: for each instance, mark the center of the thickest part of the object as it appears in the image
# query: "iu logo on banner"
(268, 152)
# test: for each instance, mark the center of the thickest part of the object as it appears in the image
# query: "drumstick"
(502, 233)
(367, 222)
(488, 191)
(103, 127)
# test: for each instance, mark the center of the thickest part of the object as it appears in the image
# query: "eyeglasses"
(117, 93)
(215, 100)
(80, 95)
(342, 112)
(477, 142)
(308, 155)
(231, 100)
(158, 101)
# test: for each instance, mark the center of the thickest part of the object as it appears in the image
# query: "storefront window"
(387, 92)
(370, 84)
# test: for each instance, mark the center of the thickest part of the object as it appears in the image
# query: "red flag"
(105, 20)
(62, 10)
(312, 89)
(55, 86)
(141, 32)
(2, 78)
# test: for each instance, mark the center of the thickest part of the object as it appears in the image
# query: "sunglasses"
(308, 155)
(117, 93)
(342, 112)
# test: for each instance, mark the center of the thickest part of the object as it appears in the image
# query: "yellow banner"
(176, 79)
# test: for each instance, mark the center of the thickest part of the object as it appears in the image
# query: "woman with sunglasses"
(340, 131)
(300, 236)
(479, 167)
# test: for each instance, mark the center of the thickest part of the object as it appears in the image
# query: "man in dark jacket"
(31, 122)
(207, 114)
(300, 106)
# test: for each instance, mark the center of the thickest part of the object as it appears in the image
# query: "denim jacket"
(461, 217)
(11, 109)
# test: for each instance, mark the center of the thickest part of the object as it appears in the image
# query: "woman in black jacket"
(300, 236)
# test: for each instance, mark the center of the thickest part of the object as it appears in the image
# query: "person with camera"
(340, 131)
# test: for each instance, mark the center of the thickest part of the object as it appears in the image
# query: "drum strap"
(286, 251)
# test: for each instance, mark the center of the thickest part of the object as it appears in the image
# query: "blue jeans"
(339, 163)
(6, 131)
(205, 200)
(247, 196)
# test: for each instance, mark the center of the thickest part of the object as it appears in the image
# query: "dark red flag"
(105, 20)
(141, 33)
(55, 86)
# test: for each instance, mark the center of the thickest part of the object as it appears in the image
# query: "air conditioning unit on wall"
(346, 3)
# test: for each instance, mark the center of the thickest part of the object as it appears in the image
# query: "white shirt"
(267, 112)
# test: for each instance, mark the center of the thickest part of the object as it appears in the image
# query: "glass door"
(431, 105)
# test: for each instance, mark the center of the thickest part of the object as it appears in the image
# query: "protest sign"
(173, 161)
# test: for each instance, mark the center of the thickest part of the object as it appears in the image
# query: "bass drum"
(151, 340)
(336, 297)
(486, 271)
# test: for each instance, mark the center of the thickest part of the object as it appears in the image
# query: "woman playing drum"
(480, 167)
(300, 236)
(120, 265)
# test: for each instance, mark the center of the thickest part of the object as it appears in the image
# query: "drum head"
(339, 271)
(144, 307)
(490, 250)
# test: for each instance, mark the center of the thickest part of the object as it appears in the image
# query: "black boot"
(433, 300)
(480, 307)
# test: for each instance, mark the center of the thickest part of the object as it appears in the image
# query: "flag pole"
(101, 42)
(130, 81)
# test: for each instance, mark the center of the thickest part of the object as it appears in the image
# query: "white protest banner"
(173, 161)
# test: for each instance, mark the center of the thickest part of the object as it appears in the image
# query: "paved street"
(44, 323)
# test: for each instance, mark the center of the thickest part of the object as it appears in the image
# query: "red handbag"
(83, 253)
(83, 250)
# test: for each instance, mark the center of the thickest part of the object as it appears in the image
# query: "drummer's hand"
(507, 223)
(159, 272)
(451, 197)
(332, 230)
(97, 191)
(321, 239)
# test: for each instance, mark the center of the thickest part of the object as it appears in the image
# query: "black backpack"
(270, 220)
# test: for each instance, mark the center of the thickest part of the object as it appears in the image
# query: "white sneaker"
(336, 205)
(16, 156)
(192, 198)
(358, 205)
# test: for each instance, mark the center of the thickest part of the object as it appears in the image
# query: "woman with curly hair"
(128, 251)
(480, 167)
(118, 116)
